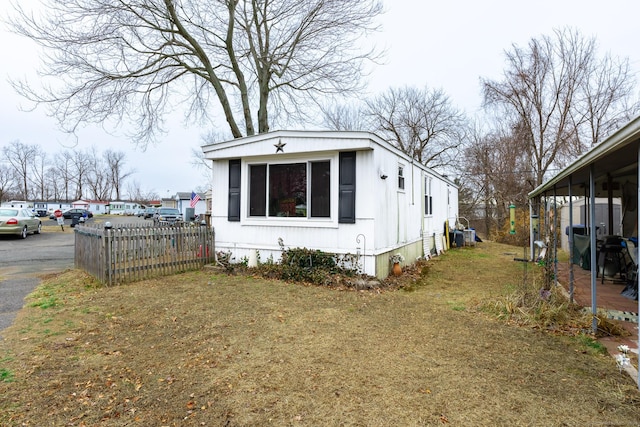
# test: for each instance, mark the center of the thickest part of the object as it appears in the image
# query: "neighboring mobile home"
(120, 207)
(338, 192)
(97, 207)
(17, 204)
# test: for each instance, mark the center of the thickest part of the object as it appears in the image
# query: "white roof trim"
(365, 138)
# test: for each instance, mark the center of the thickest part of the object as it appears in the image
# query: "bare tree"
(197, 156)
(421, 122)
(38, 176)
(345, 117)
(551, 89)
(137, 60)
(138, 194)
(21, 158)
(115, 173)
(498, 173)
(63, 175)
(81, 170)
(54, 185)
(6, 180)
(605, 100)
(98, 179)
(199, 162)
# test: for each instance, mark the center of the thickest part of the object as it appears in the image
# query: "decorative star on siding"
(279, 146)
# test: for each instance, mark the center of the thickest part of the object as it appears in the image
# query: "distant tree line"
(257, 64)
(29, 173)
(556, 99)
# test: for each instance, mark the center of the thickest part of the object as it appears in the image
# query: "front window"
(258, 190)
(290, 190)
(400, 177)
(320, 189)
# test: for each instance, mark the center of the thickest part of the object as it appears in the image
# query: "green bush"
(308, 259)
(310, 266)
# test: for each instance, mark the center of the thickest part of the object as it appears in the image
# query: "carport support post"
(637, 275)
(531, 235)
(571, 276)
(610, 204)
(592, 240)
(555, 237)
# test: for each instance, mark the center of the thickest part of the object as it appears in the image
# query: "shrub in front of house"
(309, 266)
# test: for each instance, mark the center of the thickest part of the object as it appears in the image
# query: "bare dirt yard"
(440, 345)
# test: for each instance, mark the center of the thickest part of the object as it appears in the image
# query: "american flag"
(194, 199)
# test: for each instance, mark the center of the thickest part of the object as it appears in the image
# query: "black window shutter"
(233, 213)
(347, 188)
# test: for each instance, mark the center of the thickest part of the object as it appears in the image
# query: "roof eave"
(625, 135)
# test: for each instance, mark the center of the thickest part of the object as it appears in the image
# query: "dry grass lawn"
(210, 349)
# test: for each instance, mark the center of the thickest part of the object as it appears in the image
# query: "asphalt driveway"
(23, 262)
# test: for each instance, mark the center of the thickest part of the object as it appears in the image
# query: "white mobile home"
(97, 207)
(17, 204)
(338, 192)
(120, 207)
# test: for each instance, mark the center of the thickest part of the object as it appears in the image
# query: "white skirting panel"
(433, 244)
(439, 237)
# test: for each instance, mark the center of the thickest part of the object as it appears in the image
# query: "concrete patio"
(608, 299)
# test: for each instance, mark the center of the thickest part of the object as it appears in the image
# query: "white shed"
(183, 202)
(581, 217)
(338, 192)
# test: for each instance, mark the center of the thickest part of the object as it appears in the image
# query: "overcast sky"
(440, 44)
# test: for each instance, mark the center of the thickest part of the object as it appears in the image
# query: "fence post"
(107, 244)
(204, 250)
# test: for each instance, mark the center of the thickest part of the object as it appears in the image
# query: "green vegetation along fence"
(132, 252)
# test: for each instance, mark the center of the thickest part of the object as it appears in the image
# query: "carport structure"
(609, 170)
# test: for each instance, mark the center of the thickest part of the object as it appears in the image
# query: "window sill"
(290, 222)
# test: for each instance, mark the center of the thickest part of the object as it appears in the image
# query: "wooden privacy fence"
(126, 253)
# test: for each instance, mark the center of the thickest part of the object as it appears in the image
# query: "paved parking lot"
(23, 262)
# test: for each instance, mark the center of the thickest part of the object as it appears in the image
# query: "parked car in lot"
(149, 213)
(76, 212)
(19, 222)
(167, 215)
